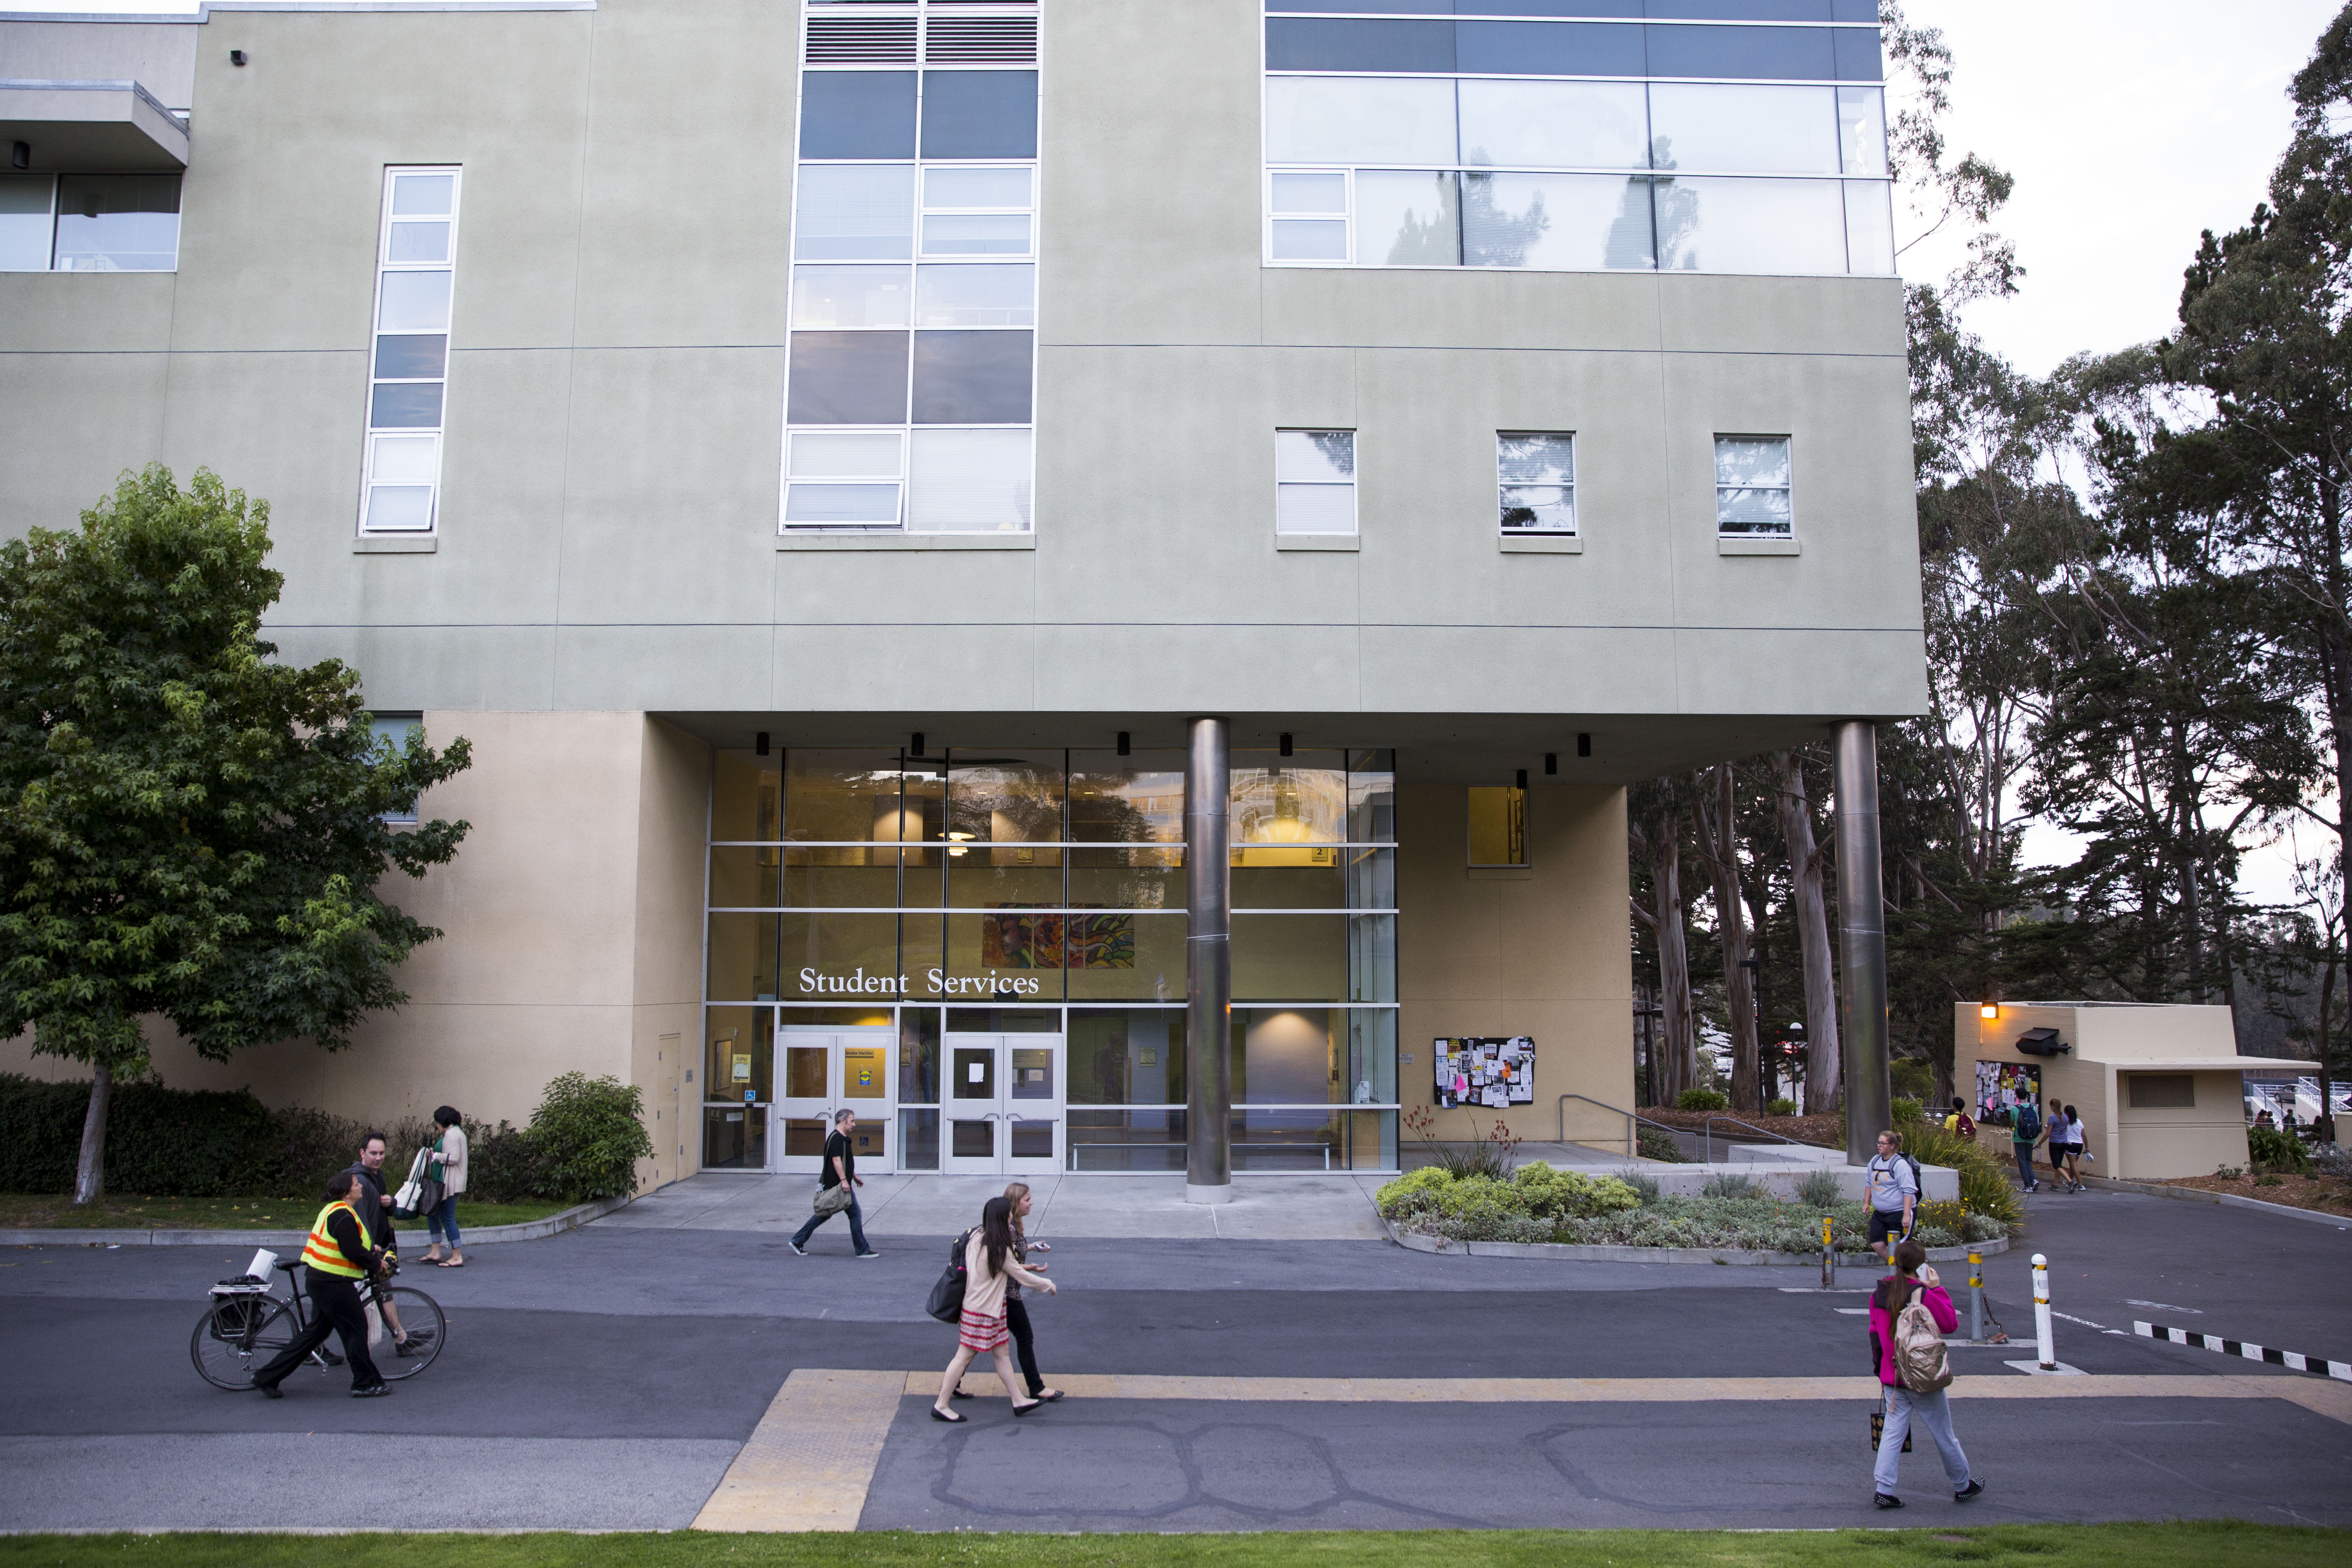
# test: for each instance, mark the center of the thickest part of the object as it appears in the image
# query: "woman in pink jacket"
(1934, 1410)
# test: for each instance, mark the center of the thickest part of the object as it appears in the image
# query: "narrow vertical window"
(391, 732)
(410, 355)
(1498, 826)
(1751, 487)
(1314, 481)
(1536, 476)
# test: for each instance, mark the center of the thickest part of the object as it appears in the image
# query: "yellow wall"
(1543, 951)
(571, 939)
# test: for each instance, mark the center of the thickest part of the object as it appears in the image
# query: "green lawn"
(129, 1211)
(2195, 1545)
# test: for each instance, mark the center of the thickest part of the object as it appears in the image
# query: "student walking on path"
(1894, 1188)
(840, 1171)
(992, 1264)
(2073, 1152)
(2024, 1131)
(1016, 1315)
(1900, 1349)
(2055, 1129)
(372, 1204)
(449, 1168)
(336, 1257)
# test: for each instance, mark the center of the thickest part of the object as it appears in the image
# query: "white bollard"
(2048, 1355)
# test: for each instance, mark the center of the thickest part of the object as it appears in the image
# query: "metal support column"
(1208, 966)
(1861, 942)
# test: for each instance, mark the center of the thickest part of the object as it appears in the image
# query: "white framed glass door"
(1005, 1096)
(822, 1070)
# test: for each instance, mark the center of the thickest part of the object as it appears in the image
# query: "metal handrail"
(1706, 1132)
(1630, 1116)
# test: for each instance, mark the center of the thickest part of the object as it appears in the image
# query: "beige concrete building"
(981, 544)
(2160, 1088)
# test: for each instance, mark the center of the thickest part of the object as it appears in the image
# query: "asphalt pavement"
(606, 1379)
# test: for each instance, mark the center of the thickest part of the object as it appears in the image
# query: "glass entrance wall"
(1028, 892)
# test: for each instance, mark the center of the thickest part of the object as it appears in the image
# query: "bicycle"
(247, 1326)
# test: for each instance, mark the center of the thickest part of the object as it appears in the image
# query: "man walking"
(840, 1171)
(2024, 1131)
(1894, 1194)
(374, 1206)
(337, 1257)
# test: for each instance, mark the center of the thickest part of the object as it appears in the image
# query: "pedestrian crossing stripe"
(2318, 1367)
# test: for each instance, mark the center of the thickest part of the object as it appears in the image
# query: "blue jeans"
(1933, 1413)
(856, 1225)
(443, 1217)
(2024, 1162)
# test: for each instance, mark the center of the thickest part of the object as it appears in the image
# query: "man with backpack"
(1892, 1182)
(2024, 1131)
(1958, 1123)
(1910, 1313)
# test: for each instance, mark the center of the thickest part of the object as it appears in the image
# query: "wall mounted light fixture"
(759, 744)
(1551, 763)
(1286, 743)
(20, 156)
(1988, 1010)
(1122, 743)
(1523, 779)
(1583, 743)
(236, 57)
(917, 749)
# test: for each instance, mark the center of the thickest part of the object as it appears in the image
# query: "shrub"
(1552, 1194)
(1819, 1189)
(2274, 1149)
(1730, 1186)
(589, 1136)
(2229, 1172)
(1656, 1145)
(1781, 1107)
(168, 1141)
(1644, 1188)
(1985, 1187)
(1905, 1109)
(1911, 1078)
(1701, 1099)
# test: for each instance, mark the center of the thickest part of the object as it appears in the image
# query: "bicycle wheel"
(236, 1336)
(429, 1331)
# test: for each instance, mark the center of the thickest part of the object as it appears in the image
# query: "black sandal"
(1047, 1395)
(940, 1415)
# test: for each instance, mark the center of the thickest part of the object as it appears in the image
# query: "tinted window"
(1411, 8)
(980, 114)
(1550, 48)
(972, 378)
(1801, 54)
(406, 405)
(1857, 55)
(407, 356)
(1556, 7)
(858, 114)
(1744, 10)
(1313, 45)
(848, 378)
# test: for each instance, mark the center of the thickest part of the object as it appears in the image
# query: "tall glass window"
(1042, 891)
(909, 399)
(1686, 145)
(409, 366)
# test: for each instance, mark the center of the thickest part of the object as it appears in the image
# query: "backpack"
(1920, 1359)
(946, 1299)
(2029, 1123)
(1959, 1124)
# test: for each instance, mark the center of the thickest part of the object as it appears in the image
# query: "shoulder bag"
(420, 1195)
(946, 1299)
(830, 1201)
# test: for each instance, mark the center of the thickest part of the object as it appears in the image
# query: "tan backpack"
(1920, 1359)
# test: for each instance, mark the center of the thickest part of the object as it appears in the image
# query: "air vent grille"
(994, 40)
(862, 40)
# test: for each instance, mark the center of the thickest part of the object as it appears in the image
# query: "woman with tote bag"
(449, 1168)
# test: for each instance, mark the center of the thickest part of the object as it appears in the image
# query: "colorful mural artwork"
(1021, 941)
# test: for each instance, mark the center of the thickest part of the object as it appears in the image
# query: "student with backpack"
(1910, 1313)
(2024, 1131)
(1892, 1183)
(1959, 1122)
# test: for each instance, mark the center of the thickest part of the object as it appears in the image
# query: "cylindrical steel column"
(1208, 966)
(1861, 942)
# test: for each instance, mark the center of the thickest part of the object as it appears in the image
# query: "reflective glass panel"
(1751, 225)
(1555, 125)
(1279, 804)
(835, 957)
(1127, 1140)
(858, 114)
(1310, 240)
(1301, 958)
(976, 296)
(414, 302)
(1548, 49)
(1371, 1056)
(1862, 130)
(845, 457)
(1315, 509)
(25, 222)
(423, 196)
(742, 958)
(1371, 878)
(735, 1138)
(853, 876)
(1498, 825)
(855, 212)
(1371, 796)
(1140, 876)
(1317, 882)
(1301, 44)
(405, 405)
(1126, 1056)
(1736, 128)
(849, 297)
(1006, 876)
(971, 481)
(1117, 955)
(739, 1054)
(418, 242)
(919, 1138)
(839, 505)
(1770, 54)
(744, 876)
(402, 356)
(1568, 223)
(919, 1055)
(746, 796)
(1870, 228)
(1134, 799)
(1006, 797)
(399, 508)
(980, 114)
(1315, 457)
(1539, 508)
(847, 378)
(117, 223)
(1371, 958)
(1011, 955)
(1406, 219)
(972, 378)
(976, 187)
(976, 233)
(1310, 192)
(405, 460)
(1359, 119)
(1289, 1056)
(842, 796)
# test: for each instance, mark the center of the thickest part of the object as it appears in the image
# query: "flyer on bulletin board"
(1487, 1070)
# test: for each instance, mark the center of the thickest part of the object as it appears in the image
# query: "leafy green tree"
(187, 828)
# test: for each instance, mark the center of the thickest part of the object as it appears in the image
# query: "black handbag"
(946, 1299)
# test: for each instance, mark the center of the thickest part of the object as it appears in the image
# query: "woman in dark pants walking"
(1016, 1314)
(337, 1257)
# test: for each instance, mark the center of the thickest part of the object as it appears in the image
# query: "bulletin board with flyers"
(1487, 1071)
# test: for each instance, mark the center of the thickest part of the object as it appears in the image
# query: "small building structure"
(2159, 1086)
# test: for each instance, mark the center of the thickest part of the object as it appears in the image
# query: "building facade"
(1083, 580)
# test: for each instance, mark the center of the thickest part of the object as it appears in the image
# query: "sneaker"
(375, 1391)
(869, 1252)
(1974, 1489)
(270, 1391)
(798, 1250)
(1887, 1499)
